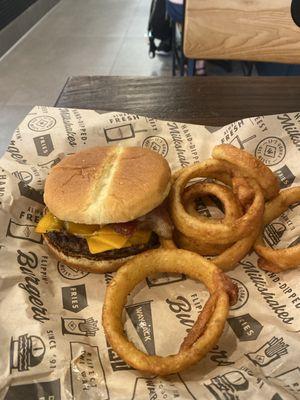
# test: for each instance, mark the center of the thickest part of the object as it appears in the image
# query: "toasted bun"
(105, 185)
(97, 267)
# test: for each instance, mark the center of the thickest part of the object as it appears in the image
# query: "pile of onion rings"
(207, 328)
(250, 198)
(242, 184)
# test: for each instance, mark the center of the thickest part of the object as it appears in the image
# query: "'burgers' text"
(28, 262)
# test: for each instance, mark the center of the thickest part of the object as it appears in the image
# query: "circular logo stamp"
(156, 143)
(70, 273)
(243, 295)
(271, 150)
(41, 123)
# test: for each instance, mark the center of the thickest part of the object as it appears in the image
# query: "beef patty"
(75, 246)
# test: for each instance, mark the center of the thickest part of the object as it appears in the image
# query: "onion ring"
(232, 208)
(249, 166)
(232, 211)
(235, 253)
(198, 245)
(242, 191)
(208, 327)
(277, 260)
(225, 232)
(227, 257)
(216, 175)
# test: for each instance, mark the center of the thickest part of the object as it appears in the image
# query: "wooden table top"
(214, 101)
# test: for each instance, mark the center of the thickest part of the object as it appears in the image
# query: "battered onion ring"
(217, 176)
(205, 332)
(225, 232)
(277, 260)
(249, 166)
(235, 253)
(242, 191)
(226, 258)
(232, 211)
(198, 245)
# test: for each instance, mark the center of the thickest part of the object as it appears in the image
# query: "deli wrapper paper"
(52, 343)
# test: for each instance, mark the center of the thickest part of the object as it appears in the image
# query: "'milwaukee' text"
(261, 285)
(28, 263)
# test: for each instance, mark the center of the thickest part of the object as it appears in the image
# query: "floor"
(91, 37)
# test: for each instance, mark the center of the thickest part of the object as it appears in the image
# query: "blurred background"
(75, 37)
(43, 42)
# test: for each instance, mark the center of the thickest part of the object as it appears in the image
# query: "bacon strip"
(158, 221)
(126, 228)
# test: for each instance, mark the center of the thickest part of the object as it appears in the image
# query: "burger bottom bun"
(82, 263)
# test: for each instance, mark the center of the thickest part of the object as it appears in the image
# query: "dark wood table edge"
(286, 95)
(62, 90)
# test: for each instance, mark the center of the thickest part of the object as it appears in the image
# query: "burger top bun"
(103, 185)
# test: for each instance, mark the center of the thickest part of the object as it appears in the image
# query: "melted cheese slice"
(108, 239)
(139, 237)
(48, 223)
(81, 229)
(103, 242)
(98, 240)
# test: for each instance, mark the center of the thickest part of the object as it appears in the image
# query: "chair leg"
(181, 66)
(177, 53)
(191, 67)
(247, 68)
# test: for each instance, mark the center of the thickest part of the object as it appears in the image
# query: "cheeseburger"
(104, 205)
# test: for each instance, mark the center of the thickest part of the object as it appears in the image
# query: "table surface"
(214, 101)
